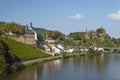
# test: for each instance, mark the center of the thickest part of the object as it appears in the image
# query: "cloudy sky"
(64, 15)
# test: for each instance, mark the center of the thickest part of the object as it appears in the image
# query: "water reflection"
(30, 73)
(102, 67)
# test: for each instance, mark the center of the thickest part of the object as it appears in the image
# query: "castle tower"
(30, 24)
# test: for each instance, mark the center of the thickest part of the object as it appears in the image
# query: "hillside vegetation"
(7, 27)
(23, 51)
(12, 52)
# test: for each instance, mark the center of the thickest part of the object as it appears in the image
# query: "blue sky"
(64, 15)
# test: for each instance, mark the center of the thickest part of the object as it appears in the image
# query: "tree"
(77, 35)
(116, 42)
(3, 64)
(101, 32)
(12, 27)
(55, 35)
(69, 42)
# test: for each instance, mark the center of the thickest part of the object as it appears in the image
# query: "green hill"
(23, 51)
(40, 30)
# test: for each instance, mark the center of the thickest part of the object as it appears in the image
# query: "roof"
(51, 45)
(28, 31)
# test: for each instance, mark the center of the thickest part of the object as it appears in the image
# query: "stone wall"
(28, 39)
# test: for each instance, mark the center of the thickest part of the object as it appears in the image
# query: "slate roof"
(28, 31)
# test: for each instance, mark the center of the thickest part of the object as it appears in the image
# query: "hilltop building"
(30, 35)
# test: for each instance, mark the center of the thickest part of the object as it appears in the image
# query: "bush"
(93, 52)
(41, 47)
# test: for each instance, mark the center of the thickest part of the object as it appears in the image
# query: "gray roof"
(28, 31)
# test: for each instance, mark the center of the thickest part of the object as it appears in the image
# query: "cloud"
(115, 16)
(77, 16)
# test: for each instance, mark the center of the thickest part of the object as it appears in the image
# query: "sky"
(64, 15)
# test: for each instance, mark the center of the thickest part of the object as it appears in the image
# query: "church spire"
(87, 34)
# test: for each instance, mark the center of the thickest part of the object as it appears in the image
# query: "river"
(101, 67)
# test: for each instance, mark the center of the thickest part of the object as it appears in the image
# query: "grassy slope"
(24, 51)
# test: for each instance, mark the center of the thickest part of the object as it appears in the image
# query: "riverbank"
(64, 55)
(24, 64)
(36, 61)
(72, 68)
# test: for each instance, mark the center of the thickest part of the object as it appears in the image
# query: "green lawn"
(23, 51)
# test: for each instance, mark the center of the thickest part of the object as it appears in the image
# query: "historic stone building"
(29, 36)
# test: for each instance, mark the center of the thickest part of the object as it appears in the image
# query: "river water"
(102, 67)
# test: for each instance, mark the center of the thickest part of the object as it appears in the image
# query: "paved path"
(30, 62)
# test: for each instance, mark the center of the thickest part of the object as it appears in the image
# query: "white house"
(100, 49)
(97, 48)
(56, 50)
(47, 48)
(69, 50)
(82, 48)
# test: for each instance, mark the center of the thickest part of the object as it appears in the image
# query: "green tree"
(77, 35)
(55, 35)
(3, 64)
(101, 32)
(12, 27)
(69, 42)
(116, 42)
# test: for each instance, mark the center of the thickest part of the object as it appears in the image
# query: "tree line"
(98, 37)
(7, 27)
